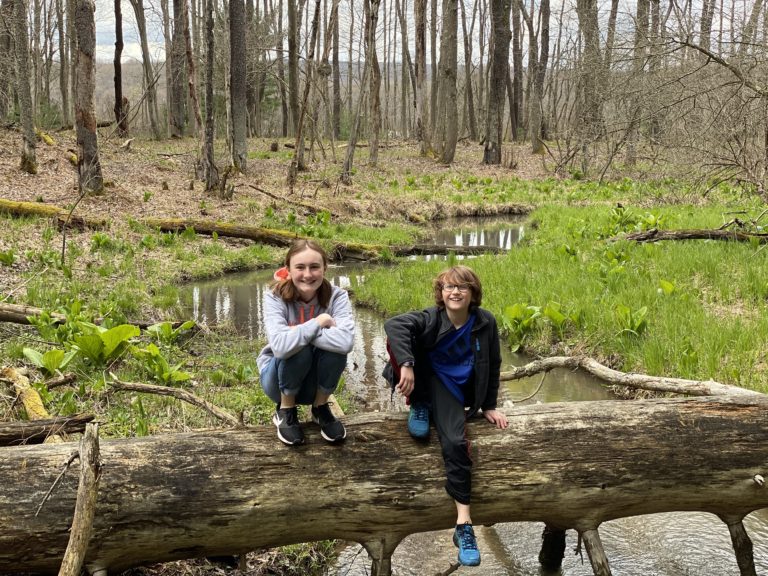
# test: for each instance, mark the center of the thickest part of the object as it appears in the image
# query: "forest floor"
(157, 179)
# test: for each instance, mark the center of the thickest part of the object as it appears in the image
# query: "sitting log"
(218, 492)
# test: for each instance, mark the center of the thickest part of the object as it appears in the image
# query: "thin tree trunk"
(122, 124)
(611, 34)
(281, 71)
(178, 100)
(375, 101)
(336, 122)
(191, 72)
(63, 65)
(420, 131)
(237, 85)
(208, 165)
(517, 72)
(434, 85)
(28, 152)
(468, 72)
(149, 75)
(88, 164)
(346, 171)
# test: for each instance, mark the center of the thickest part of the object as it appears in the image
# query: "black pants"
(450, 421)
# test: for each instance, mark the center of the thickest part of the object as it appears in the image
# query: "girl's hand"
(407, 381)
(496, 417)
(325, 320)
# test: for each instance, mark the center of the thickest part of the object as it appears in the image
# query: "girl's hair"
(458, 275)
(285, 288)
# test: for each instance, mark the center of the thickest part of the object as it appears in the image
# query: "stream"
(669, 544)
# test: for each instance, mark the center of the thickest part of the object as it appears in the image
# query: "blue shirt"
(453, 360)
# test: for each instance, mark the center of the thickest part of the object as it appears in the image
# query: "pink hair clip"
(281, 273)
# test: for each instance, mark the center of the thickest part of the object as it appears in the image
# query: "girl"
(310, 330)
(445, 359)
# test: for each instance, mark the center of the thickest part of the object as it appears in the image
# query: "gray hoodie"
(290, 326)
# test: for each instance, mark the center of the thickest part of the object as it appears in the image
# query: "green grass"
(705, 300)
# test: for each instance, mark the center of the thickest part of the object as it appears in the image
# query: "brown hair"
(286, 289)
(458, 275)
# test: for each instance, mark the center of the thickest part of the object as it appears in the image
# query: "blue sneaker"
(464, 540)
(418, 421)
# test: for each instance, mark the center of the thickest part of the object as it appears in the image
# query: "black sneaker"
(330, 428)
(288, 429)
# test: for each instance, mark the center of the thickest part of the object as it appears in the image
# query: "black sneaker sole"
(332, 440)
(283, 439)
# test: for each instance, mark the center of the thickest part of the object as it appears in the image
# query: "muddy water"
(673, 544)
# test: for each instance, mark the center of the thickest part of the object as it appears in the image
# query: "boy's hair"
(285, 288)
(458, 275)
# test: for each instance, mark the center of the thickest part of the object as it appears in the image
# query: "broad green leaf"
(34, 356)
(91, 346)
(52, 360)
(116, 336)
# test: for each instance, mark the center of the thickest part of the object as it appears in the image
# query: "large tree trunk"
(237, 81)
(88, 164)
(28, 153)
(221, 492)
(447, 130)
(494, 120)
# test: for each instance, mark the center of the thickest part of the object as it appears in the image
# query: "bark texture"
(219, 492)
(88, 163)
(28, 152)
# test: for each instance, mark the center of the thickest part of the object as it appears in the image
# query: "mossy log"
(350, 251)
(62, 217)
(217, 492)
(655, 235)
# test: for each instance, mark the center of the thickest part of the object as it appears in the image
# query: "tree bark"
(177, 99)
(88, 164)
(63, 63)
(468, 92)
(28, 153)
(237, 85)
(36, 431)
(218, 492)
(447, 131)
(420, 131)
(122, 125)
(209, 173)
(494, 120)
(375, 76)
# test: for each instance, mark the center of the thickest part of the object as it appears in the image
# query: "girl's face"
(457, 296)
(307, 271)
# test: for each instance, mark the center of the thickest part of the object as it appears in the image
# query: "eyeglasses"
(463, 288)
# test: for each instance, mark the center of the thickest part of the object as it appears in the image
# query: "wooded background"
(643, 83)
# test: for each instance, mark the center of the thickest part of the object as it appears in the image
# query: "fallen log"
(655, 235)
(36, 431)
(281, 238)
(20, 314)
(62, 217)
(569, 465)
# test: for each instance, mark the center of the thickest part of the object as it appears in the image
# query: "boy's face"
(457, 296)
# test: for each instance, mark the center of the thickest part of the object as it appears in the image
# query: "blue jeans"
(303, 374)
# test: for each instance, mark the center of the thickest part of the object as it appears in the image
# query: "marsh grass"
(694, 309)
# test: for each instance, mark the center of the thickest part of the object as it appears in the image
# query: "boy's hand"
(407, 380)
(496, 417)
(325, 320)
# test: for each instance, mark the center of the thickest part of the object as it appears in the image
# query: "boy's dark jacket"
(412, 335)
